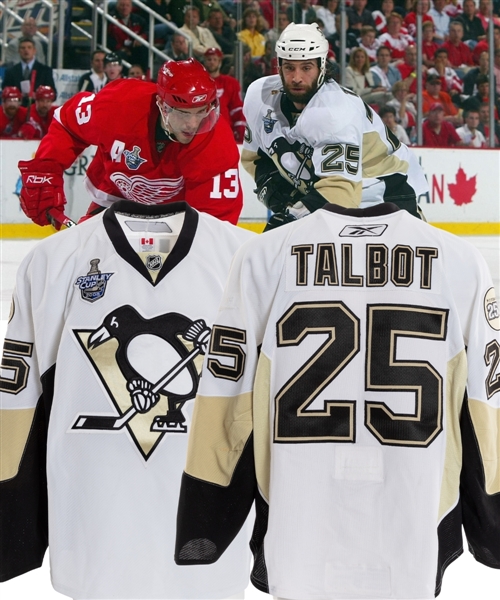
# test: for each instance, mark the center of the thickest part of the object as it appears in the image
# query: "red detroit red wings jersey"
(121, 122)
(231, 104)
(43, 123)
(9, 128)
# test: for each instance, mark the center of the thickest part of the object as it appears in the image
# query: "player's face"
(113, 71)
(212, 63)
(10, 107)
(43, 106)
(300, 79)
(184, 123)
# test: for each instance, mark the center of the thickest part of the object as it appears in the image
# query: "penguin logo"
(294, 162)
(149, 368)
(93, 285)
(132, 158)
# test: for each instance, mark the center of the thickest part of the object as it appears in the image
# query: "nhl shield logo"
(132, 158)
(153, 262)
(269, 122)
(93, 285)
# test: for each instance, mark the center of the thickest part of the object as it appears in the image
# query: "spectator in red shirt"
(483, 46)
(228, 93)
(410, 21)
(459, 54)
(437, 132)
(429, 46)
(120, 42)
(408, 69)
(433, 95)
(395, 39)
(42, 113)
(450, 81)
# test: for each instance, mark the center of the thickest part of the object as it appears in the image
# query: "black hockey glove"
(313, 200)
(279, 219)
(275, 192)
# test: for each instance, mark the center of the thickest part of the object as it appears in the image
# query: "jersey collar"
(134, 209)
(378, 210)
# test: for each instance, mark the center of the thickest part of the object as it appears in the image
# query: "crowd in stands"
(381, 55)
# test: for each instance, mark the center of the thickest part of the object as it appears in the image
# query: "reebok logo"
(199, 98)
(363, 230)
(38, 179)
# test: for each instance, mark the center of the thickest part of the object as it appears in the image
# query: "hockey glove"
(43, 188)
(275, 192)
(313, 200)
(279, 219)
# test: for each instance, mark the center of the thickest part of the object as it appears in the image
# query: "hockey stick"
(31, 96)
(198, 332)
(57, 219)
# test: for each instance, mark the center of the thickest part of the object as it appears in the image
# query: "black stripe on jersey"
(480, 510)
(449, 542)
(134, 209)
(23, 499)
(210, 516)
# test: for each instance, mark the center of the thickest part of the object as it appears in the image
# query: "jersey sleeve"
(480, 418)
(220, 481)
(73, 128)
(24, 392)
(32, 340)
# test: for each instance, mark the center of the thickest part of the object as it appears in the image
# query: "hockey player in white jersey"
(310, 141)
(334, 382)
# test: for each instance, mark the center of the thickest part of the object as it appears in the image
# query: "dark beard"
(300, 98)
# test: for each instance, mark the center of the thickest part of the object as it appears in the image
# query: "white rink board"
(464, 185)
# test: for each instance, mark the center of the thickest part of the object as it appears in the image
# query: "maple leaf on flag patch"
(463, 189)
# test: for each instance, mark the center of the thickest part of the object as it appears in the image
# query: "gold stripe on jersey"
(340, 191)
(224, 425)
(261, 420)
(247, 160)
(456, 377)
(374, 163)
(486, 422)
(15, 426)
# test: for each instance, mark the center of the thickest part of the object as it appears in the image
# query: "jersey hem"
(11, 575)
(225, 593)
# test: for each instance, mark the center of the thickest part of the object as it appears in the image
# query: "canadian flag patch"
(147, 243)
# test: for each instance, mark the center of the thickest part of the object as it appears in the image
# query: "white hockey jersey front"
(109, 326)
(335, 382)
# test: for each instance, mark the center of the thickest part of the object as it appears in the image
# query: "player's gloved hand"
(313, 200)
(43, 188)
(279, 219)
(275, 192)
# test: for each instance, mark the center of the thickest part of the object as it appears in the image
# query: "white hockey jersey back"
(335, 380)
(105, 342)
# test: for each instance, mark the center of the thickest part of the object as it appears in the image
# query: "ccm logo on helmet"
(296, 49)
(199, 98)
(38, 179)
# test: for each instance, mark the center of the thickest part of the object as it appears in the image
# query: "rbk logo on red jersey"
(38, 179)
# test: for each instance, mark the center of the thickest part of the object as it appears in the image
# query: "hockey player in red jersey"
(13, 116)
(42, 113)
(182, 151)
(228, 93)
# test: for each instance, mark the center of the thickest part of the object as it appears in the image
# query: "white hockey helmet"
(303, 42)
